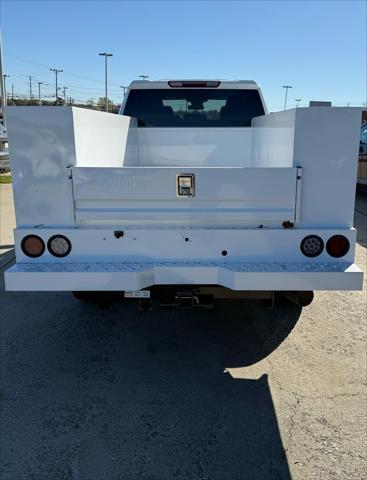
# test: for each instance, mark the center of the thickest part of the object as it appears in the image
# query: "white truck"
(193, 192)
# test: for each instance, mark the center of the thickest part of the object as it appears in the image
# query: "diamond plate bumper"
(121, 276)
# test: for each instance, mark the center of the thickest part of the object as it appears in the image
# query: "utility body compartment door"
(149, 196)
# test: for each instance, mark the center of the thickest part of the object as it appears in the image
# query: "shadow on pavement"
(111, 394)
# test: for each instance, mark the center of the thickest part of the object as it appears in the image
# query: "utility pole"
(64, 92)
(297, 100)
(143, 77)
(39, 92)
(287, 87)
(30, 89)
(56, 71)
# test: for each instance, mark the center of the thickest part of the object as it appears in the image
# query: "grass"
(5, 179)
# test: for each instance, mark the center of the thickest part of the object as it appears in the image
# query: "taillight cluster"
(337, 246)
(33, 246)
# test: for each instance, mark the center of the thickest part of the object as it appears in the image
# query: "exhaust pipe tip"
(302, 299)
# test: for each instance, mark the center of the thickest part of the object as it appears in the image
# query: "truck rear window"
(194, 108)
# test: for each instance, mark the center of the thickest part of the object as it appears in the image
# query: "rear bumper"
(120, 276)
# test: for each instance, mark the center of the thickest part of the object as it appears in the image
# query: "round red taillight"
(312, 246)
(337, 246)
(59, 246)
(33, 246)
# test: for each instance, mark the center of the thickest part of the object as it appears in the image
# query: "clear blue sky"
(318, 47)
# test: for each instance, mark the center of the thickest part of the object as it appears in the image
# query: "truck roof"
(227, 84)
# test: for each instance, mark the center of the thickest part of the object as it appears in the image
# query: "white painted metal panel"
(41, 146)
(216, 147)
(103, 139)
(135, 276)
(44, 142)
(148, 196)
(273, 140)
(171, 244)
(325, 145)
(195, 147)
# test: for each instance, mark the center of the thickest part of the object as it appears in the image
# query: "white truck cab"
(194, 187)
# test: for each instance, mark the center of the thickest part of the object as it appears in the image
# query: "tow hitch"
(188, 300)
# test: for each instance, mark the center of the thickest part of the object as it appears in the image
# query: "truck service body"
(193, 185)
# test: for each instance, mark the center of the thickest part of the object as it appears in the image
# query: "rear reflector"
(32, 246)
(337, 246)
(193, 84)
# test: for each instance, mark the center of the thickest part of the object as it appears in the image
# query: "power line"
(65, 73)
(75, 87)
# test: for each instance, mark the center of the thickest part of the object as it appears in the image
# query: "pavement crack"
(330, 397)
(287, 447)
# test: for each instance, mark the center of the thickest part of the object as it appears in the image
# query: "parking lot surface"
(91, 391)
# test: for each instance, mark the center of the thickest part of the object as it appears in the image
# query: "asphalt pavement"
(91, 391)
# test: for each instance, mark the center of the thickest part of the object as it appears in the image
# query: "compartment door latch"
(185, 186)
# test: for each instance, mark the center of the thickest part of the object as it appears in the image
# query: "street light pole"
(297, 101)
(30, 89)
(287, 87)
(56, 73)
(105, 55)
(39, 93)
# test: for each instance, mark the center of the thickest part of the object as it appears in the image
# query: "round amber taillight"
(337, 246)
(33, 246)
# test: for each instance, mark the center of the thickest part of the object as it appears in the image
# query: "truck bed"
(112, 193)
